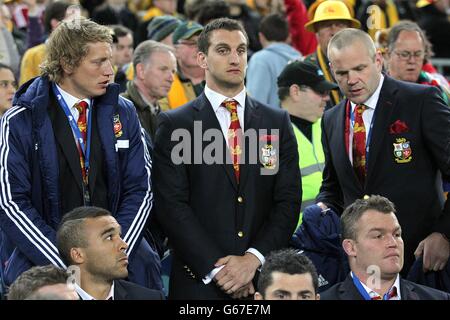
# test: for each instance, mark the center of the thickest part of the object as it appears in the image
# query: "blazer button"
(240, 234)
(240, 199)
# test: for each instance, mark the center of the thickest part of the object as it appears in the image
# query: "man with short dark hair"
(266, 64)
(122, 51)
(89, 240)
(287, 275)
(223, 217)
(372, 239)
(42, 283)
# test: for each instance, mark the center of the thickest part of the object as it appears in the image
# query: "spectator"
(266, 65)
(155, 66)
(330, 17)
(8, 87)
(122, 53)
(188, 81)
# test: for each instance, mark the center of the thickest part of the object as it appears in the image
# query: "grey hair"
(145, 49)
(349, 36)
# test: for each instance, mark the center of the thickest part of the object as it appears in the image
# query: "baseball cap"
(186, 30)
(161, 26)
(304, 73)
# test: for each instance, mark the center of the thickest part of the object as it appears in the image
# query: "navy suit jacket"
(205, 212)
(124, 290)
(347, 290)
(412, 185)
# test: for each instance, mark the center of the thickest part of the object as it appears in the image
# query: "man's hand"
(237, 273)
(435, 250)
(244, 292)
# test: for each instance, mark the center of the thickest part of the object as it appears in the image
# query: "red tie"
(82, 108)
(359, 144)
(234, 135)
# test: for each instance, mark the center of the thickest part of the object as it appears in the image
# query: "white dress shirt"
(367, 116)
(71, 101)
(86, 296)
(224, 117)
(372, 293)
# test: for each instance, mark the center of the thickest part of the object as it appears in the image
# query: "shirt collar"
(372, 101)
(86, 296)
(371, 292)
(216, 98)
(70, 99)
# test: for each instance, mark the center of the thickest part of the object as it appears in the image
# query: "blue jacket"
(319, 238)
(30, 193)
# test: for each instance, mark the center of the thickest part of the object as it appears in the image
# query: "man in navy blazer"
(407, 139)
(222, 215)
(89, 241)
(372, 239)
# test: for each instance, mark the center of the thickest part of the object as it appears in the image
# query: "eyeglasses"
(406, 55)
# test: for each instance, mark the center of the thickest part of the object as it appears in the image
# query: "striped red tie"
(82, 108)
(234, 135)
(359, 144)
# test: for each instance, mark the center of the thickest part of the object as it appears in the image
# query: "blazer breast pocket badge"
(269, 153)
(402, 151)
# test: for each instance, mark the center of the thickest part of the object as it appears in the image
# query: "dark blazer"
(411, 185)
(346, 290)
(124, 290)
(204, 211)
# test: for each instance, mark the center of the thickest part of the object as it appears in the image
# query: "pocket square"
(398, 127)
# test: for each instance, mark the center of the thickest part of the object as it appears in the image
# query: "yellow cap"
(423, 3)
(332, 10)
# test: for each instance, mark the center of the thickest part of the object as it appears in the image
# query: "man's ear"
(140, 71)
(77, 255)
(258, 296)
(201, 60)
(349, 247)
(66, 67)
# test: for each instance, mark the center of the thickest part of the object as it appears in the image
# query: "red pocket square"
(398, 127)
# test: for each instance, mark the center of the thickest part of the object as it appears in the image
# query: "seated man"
(372, 239)
(42, 283)
(89, 240)
(287, 275)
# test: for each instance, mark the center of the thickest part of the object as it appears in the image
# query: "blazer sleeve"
(330, 191)
(187, 236)
(21, 222)
(436, 132)
(287, 195)
(136, 196)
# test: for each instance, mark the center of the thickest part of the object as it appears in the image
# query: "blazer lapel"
(407, 291)
(348, 291)
(383, 111)
(252, 120)
(119, 291)
(209, 120)
(64, 137)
